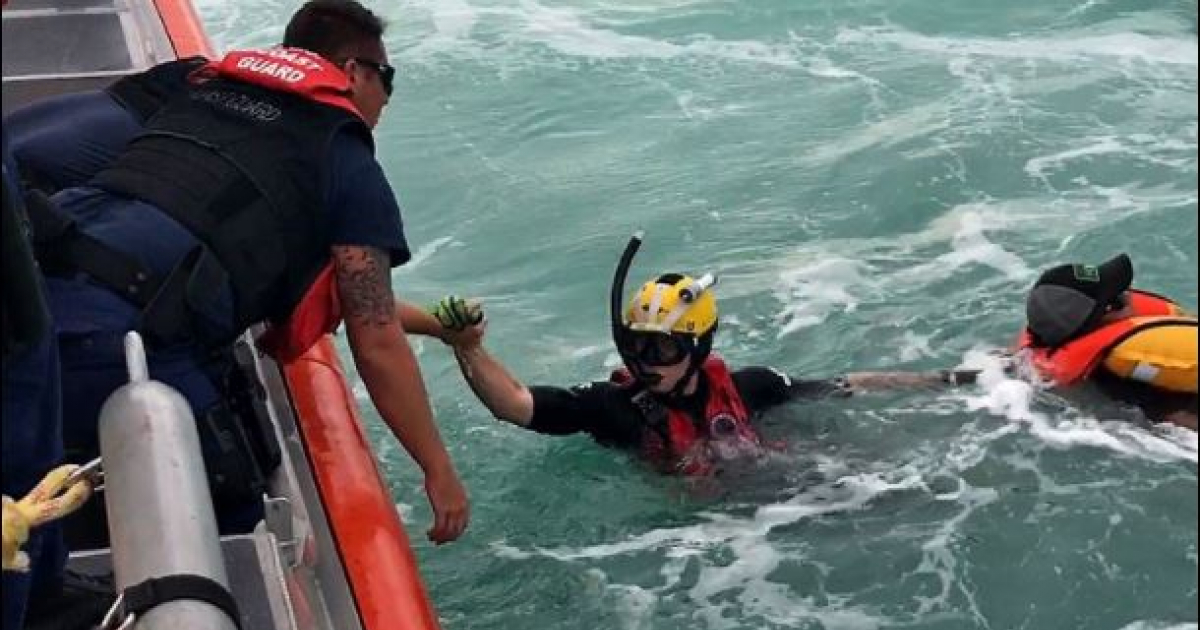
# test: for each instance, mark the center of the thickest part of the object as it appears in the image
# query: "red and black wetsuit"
(609, 412)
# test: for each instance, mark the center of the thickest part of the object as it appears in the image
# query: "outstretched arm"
(418, 321)
(544, 409)
(507, 398)
(1183, 418)
(448, 320)
(903, 380)
(393, 379)
(763, 387)
(461, 324)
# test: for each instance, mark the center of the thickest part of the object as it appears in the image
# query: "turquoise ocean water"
(877, 183)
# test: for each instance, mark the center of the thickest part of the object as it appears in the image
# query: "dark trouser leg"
(32, 446)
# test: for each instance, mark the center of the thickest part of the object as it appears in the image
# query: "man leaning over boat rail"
(290, 221)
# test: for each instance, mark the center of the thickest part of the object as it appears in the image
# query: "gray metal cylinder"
(160, 513)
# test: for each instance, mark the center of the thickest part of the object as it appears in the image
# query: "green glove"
(455, 313)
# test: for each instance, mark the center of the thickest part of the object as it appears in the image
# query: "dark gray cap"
(1069, 300)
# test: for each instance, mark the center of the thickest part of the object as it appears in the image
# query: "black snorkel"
(616, 298)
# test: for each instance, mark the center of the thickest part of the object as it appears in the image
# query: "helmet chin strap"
(648, 378)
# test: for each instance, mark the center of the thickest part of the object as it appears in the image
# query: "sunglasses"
(387, 73)
(654, 349)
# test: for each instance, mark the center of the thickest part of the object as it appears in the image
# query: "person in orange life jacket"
(676, 403)
(1086, 323)
(292, 220)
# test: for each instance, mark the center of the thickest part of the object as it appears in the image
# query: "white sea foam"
(850, 493)
(813, 290)
(1015, 400)
(1168, 151)
(428, 250)
(1062, 48)
(726, 594)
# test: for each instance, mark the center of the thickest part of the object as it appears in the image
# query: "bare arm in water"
(905, 380)
(1183, 418)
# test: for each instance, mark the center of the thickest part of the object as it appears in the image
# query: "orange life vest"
(291, 70)
(1075, 361)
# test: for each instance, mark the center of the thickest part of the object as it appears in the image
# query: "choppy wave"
(877, 185)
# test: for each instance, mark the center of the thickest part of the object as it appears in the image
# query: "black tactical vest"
(242, 167)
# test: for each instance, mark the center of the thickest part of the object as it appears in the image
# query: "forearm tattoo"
(364, 285)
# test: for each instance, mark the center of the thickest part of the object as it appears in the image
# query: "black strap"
(166, 319)
(62, 249)
(142, 597)
(653, 415)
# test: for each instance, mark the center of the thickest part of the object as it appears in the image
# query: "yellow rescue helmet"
(674, 303)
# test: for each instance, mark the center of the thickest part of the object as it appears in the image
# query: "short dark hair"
(334, 29)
